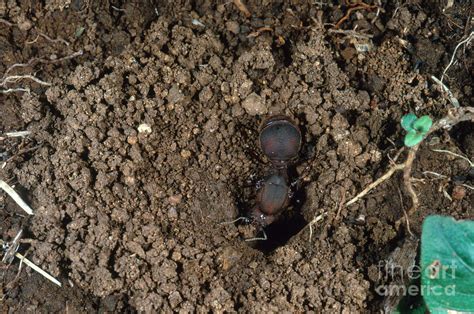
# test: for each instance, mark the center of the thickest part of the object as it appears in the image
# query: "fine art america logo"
(394, 274)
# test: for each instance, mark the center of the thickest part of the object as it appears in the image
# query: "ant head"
(280, 140)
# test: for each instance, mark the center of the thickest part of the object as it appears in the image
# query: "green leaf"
(423, 124)
(447, 264)
(412, 138)
(407, 121)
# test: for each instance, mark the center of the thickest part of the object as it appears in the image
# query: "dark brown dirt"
(128, 217)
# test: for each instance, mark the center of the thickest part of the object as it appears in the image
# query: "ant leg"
(245, 219)
(264, 238)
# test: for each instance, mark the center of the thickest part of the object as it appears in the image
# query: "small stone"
(175, 199)
(172, 213)
(176, 256)
(144, 128)
(233, 27)
(185, 153)
(25, 25)
(348, 53)
(458, 192)
(254, 105)
(129, 180)
(132, 140)
(175, 299)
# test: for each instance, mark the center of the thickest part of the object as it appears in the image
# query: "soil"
(146, 142)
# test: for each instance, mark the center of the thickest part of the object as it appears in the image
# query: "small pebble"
(172, 213)
(254, 105)
(233, 27)
(132, 140)
(185, 153)
(176, 256)
(175, 299)
(129, 180)
(458, 192)
(360, 220)
(144, 128)
(175, 199)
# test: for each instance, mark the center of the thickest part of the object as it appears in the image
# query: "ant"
(280, 141)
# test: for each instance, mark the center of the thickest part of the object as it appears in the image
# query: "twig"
(39, 270)
(469, 38)
(11, 248)
(454, 154)
(34, 267)
(4, 186)
(17, 134)
(241, 6)
(445, 193)
(454, 116)
(451, 97)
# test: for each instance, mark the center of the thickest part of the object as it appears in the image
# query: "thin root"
(465, 41)
(242, 7)
(14, 90)
(312, 222)
(40, 34)
(357, 6)
(454, 116)
(471, 164)
(404, 212)
(376, 183)
(15, 78)
(407, 179)
(34, 61)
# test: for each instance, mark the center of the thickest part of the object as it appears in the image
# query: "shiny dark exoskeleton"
(280, 141)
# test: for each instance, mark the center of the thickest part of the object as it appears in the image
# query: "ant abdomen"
(273, 196)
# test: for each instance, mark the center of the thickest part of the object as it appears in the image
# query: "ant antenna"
(264, 238)
(245, 219)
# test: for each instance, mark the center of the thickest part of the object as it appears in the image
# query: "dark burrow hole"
(463, 134)
(390, 128)
(288, 225)
(283, 53)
